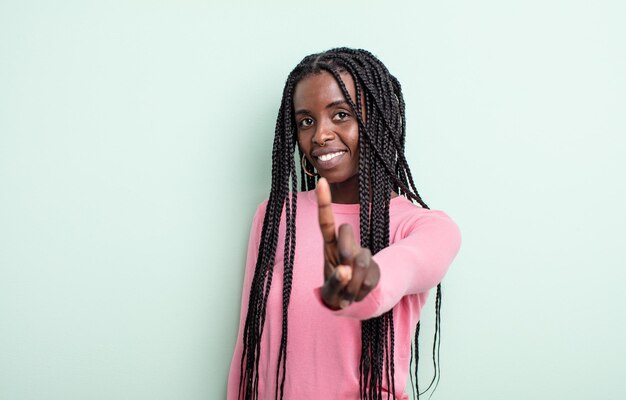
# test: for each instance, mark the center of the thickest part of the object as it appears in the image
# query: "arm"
(414, 264)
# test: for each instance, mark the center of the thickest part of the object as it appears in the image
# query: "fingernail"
(344, 303)
(345, 273)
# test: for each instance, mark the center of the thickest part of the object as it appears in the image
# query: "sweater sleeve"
(251, 258)
(411, 265)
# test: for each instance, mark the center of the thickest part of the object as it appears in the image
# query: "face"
(328, 131)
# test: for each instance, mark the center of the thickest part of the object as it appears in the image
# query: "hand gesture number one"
(350, 273)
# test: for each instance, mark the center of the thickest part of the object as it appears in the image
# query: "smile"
(330, 156)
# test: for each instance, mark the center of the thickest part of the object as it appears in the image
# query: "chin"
(341, 177)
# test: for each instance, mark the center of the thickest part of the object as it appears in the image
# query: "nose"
(323, 133)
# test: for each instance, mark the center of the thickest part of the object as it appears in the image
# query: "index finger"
(325, 212)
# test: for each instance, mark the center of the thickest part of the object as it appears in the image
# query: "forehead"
(321, 89)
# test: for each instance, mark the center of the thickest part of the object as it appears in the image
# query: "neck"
(346, 192)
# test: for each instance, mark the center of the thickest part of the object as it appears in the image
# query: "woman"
(331, 314)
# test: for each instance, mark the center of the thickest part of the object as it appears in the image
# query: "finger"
(370, 280)
(328, 269)
(359, 273)
(346, 245)
(335, 284)
(326, 219)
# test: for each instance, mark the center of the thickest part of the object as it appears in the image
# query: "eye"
(306, 122)
(341, 115)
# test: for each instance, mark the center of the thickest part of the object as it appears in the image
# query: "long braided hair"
(382, 169)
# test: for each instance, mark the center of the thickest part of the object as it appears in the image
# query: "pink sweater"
(324, 346)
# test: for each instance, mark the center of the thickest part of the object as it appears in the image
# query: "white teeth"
(329, 156)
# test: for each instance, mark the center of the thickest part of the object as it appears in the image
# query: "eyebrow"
(329, 105)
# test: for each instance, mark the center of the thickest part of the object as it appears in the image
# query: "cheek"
(302, 145)
(354, 140)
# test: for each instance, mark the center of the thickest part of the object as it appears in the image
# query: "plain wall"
(135, 142)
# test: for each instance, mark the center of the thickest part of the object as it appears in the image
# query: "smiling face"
(328, 132)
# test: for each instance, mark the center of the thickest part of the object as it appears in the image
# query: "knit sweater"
(324, 346)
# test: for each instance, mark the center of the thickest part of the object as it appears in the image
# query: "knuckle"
(328, 294)
(333, 282)
(326, 224)
(349, 298)
(344, 252)
(349, 293)
(362, 259)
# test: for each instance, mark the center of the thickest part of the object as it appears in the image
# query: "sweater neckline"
(346, 208)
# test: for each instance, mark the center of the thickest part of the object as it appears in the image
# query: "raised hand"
(350, 273)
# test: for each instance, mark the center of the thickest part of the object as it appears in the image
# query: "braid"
(383, 168)
(283, 167)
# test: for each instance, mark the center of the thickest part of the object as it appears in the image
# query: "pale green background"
(135, 145)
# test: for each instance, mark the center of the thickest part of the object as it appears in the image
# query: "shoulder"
(262, 206)
(302, 197)
(260, 211)
(304, 200)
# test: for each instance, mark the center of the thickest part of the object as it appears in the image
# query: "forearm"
(414, 264)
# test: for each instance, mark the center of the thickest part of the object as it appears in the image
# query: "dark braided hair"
(382, 169)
